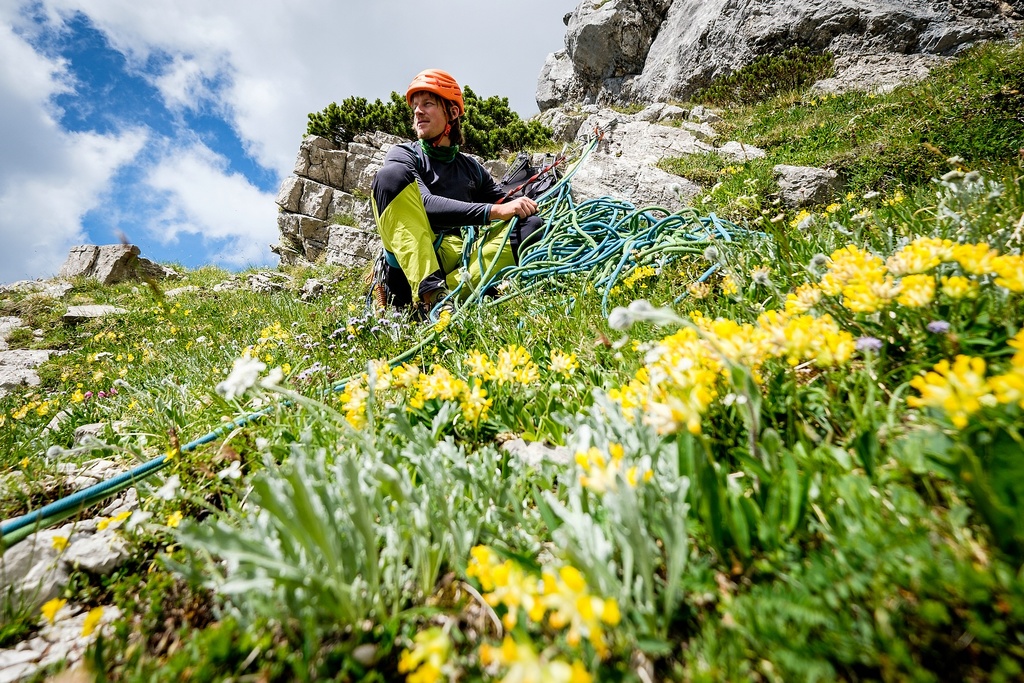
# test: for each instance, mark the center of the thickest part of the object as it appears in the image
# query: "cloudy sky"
(173, 123)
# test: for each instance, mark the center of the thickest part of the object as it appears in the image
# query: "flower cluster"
(638, 275)
(866, 284)
(561, 595)
(600, 472)
(430, 652)
(682, 373)
(525, 664)
(960, 389)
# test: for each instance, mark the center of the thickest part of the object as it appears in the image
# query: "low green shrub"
(489, 125)
(768, 76)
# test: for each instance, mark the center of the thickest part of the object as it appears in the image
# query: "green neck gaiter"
(442, 154)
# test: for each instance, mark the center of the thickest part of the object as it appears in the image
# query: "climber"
(428, 190)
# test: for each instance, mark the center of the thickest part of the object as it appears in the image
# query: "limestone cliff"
(643, 51)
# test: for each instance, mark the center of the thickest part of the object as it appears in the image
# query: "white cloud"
(49, 178)
(279, 61)
(200, 197)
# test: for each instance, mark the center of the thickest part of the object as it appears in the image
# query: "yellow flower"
(957, 287)
(803, 299)
(976, 259)
(482, 561)
(475, 403)
(514, 364)
(698, 290)
(443, 320)
(898, 196)
(572, 606)
(805, 338)
(60, 543)
(639, 274)
(353, 402)
(174, 519)
(800, 218)
(524, 664)
(92, 620)
(920, 256)
(429, 654)
(479, 364)
(563, 363)
(405, 376)
(729, 286)
(1009, 388)
(114, 521)
(77, 396)
(51, 608)
(441, 384)
(916, 291)
(959, 390)
(1009, 270)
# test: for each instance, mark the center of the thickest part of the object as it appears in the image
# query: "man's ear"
(454, 111)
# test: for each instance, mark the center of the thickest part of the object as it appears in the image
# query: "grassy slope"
(893, 570)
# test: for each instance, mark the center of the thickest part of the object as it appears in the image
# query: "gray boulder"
(804, 185)
(111, 263)
(18, 368)
(77, 314)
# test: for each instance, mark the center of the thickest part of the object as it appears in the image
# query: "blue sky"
(173, 124)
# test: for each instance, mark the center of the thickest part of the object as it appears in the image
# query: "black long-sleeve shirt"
(455, 193)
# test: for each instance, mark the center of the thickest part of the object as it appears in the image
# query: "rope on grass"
(604, 239)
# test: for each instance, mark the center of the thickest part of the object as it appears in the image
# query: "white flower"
(169, 490)
(262, 444)
(137, 518)
(242, 377)
(233, 471)
(623, 318)
(273, 378)
(620, 319)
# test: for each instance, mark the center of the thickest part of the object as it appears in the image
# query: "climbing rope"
(603, 239)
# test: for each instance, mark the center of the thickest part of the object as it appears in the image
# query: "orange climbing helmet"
(440, 83)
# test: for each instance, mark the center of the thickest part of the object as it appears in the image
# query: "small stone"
(100, 554)
(178, 291)
(77, 314)
(534, 453)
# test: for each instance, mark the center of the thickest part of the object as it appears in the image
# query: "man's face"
(428, 116)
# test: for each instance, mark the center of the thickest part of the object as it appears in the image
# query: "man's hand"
(522, 208)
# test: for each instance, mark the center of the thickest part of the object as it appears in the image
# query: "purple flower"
(868, 344)
(938, 327)
(102, 394)
(88, 394)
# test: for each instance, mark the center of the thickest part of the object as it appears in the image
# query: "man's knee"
(388, 183)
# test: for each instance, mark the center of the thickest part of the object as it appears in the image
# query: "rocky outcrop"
(623, 51)
(111, 263)
(326, 200)
(625, 162)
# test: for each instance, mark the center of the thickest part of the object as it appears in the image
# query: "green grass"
(970, 108)
(813, 524)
